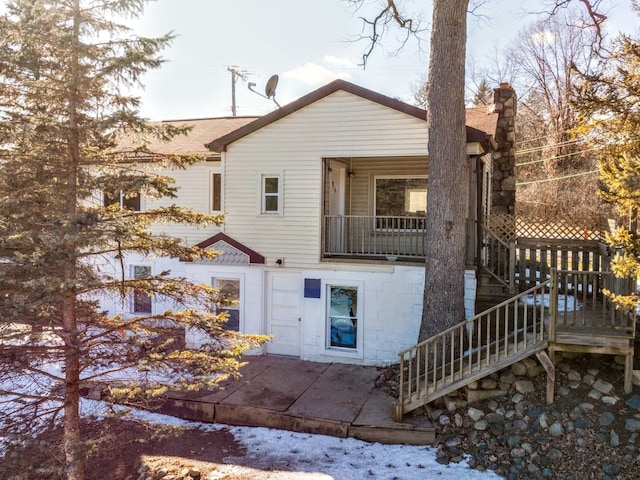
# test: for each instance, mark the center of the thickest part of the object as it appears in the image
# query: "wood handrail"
(471, 349)
(489, 311)
(571, 306)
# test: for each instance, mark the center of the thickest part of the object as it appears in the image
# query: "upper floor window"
(128, 201)
(271, 194)
(400, 202)
(216, 192)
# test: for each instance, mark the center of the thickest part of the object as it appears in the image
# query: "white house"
(323, 244)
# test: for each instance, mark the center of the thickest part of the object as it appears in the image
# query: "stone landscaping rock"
(475, 414)
(574, 376)
(481, 425)
(519, 369)
(475, 396)
(556, 429)
(584, 435)
(633, 402)
(524, 386)
(611, 469)
(595, 394)
(602, 386)
(494, 417)
(507, 377)
(614, 439)
(632, 425)
(450, 403)
(444, 420)
(488, 384)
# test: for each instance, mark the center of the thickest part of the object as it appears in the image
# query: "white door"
(283, 313)
(337, 185)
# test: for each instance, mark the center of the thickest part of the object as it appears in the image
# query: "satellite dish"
(269, 89)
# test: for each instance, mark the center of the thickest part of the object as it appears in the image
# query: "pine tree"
(608, 102)
(483, 95)
(65, 68)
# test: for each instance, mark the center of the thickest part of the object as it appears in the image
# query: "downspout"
(479, 213)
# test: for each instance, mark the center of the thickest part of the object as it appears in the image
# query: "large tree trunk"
(74, 448)
(447, 190)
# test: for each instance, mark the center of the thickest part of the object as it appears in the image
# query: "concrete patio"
(291, 394)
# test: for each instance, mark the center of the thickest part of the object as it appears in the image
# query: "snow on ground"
(565, 303)
(319, 457)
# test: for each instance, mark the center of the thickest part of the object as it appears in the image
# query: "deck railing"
(472, 349)
(519, 263)
(387, 237)
(581, 302)
(535, 258)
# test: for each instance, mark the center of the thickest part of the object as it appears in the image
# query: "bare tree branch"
(390, 14)
(593, 8)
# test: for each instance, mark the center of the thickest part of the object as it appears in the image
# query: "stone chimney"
(504, 159)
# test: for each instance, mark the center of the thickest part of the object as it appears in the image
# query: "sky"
(307, 43)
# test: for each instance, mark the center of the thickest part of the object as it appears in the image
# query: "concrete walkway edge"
(308, 397)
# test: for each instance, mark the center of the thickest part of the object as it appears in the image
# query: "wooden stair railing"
(475, 348)
(497, 258)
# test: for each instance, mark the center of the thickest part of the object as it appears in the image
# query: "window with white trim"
(215, 187)
(228, 301)
(400, 202)
(271, 194)
(342, 317)
(141, 301)
(130, 201)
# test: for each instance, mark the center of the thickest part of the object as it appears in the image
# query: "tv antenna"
(269, 89)
(235, 74)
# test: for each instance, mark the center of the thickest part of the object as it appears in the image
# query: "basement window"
(343, 317)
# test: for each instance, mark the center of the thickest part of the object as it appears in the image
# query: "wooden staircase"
(475, 348)
(571, 311)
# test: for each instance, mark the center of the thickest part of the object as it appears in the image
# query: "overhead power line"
(547, 146)
(518, 184)
(529, 140)
(557, 157)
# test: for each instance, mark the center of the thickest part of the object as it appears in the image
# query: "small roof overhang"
(232, 252)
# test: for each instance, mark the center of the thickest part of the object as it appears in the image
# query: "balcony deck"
(366, 237)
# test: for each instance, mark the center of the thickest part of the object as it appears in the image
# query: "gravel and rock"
(502, 423)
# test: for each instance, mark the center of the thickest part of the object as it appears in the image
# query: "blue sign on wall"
(312, 287)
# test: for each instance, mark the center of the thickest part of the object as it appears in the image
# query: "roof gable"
(480, 125)
(232, 251)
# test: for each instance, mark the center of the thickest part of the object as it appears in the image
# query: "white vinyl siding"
(194, 192)
(340, 125)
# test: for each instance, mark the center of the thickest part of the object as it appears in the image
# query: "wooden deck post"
(397, 412)
(550, 368)
(628, 373)
(553, 307)
(512, 267)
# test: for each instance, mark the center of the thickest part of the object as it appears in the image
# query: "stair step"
(460, 378)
